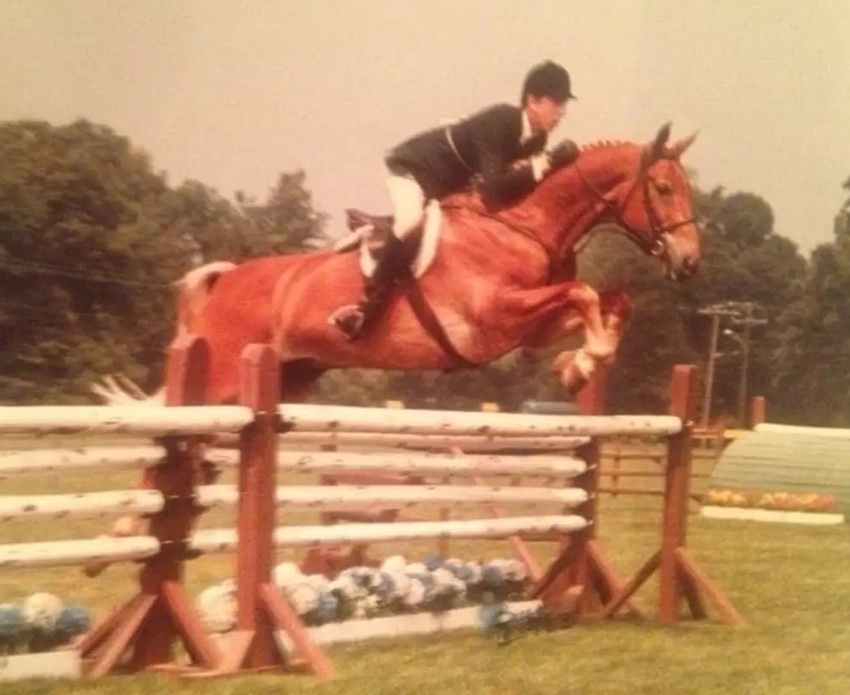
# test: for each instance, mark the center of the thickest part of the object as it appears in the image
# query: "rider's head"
(545, 93)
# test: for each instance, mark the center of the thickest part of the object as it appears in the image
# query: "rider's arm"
(502, 181)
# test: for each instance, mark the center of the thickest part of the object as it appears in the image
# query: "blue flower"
(12, 622)
(493, 576)
(327, 609)
(72, 621)
(433, 561)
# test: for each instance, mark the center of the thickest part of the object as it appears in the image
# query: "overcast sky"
(233, 92)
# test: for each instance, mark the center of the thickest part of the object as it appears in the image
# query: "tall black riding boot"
(392, 264)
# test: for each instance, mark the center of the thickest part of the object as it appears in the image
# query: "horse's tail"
(194, 292)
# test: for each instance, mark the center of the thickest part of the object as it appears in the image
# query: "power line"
(33, 269)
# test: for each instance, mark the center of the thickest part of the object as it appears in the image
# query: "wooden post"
(758, 407)
(676, 493)
(262, 609)
(161, 611)
(582, 575)
(680, 575)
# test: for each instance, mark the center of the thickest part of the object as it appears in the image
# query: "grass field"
(792, 585)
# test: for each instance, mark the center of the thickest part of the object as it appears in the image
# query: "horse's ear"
(655, 149)
(677, 148)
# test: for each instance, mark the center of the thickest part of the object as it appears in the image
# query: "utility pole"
(748, 321)
(715, 311)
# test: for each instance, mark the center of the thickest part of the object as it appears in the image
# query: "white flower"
(401, 584)
(475, 573)
(319, 582)
(394, 563)
(362, 576)
(216, 606)
(443, 577)
(415, 568)
(516, 571)
(303, 597)
(347, 587)
(41, 610)
(415, 594)
(286, 573)
(366, 606)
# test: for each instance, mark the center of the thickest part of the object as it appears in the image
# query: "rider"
(483, 149)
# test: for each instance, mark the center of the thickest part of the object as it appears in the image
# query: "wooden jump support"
(680, 575)
(580, 583)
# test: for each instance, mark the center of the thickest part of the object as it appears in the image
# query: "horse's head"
(645, 191)
(654, 207)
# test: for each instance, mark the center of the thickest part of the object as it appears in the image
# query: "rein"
(653, 246)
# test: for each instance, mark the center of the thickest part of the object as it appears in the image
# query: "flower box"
(63, 663)
(778, 507)
(389, 627)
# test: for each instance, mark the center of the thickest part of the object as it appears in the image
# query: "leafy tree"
(743, 259)
(812, 386)
(287, 221)
(81, 261)
(91, 241)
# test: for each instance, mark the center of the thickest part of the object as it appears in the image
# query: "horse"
(496, 281)
(493, 281)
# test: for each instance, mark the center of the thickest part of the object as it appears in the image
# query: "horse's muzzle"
(686, 270)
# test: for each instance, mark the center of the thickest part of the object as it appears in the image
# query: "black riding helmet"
(548, 79)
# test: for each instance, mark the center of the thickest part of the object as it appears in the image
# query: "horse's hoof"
(573, 380)
(574, 368)
(562, 361)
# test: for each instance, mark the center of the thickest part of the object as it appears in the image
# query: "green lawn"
(791, 584)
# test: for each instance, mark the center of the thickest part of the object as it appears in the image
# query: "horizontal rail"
(419, 442)
(43, 420)
(80, 505)
(331, 496)
(63, 553)
(85, 458)
(331, 418)
(392, 462)
(225, 540)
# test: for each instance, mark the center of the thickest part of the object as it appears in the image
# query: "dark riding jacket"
(482, 147)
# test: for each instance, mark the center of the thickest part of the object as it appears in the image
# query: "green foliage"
(743, 260)
(91, 240)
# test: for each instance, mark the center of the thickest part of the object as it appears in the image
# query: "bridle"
(654, 245)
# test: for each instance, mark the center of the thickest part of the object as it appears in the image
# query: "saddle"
(358, 218)
(369, 232)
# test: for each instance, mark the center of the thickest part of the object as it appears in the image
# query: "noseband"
(654, 245)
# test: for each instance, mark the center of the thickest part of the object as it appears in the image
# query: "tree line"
(92, 238)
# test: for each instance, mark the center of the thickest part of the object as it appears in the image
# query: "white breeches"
(408, 201)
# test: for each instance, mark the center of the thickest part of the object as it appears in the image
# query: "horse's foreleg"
(574, 367)
(561, 310)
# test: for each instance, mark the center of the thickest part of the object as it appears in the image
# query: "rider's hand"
(564, 153)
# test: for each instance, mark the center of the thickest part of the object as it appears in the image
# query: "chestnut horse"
(500, 280)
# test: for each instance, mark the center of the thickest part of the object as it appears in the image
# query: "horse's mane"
(605, 144)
